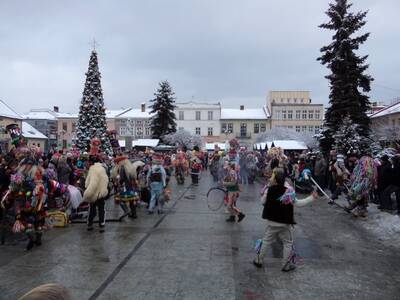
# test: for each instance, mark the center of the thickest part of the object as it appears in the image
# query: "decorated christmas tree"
(163, 121)
(92, 117)
(348, 78)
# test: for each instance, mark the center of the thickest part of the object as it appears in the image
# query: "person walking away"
(231, 184)
(341, 176)
(320, 170)
(156, 178)
(279, 201)
(96, 192)
(384, 180)
(394, 186)
(63, 170)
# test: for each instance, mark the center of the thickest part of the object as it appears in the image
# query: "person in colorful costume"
(196, 165)
(156, 179)
(362, 182)
(231, 184)
(124, 178)
(181, 167)
(279, 200)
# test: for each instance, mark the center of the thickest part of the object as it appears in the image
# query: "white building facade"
(199, 118)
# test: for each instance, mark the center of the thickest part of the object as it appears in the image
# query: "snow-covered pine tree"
(92, 116)
(348, 139)
(349, 82)
(163, 120)
(183, 138)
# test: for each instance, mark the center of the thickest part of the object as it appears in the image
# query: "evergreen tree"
(349, 82)
(349, 141)
(92, 116)
(163, 121)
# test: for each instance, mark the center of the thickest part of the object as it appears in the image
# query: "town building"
(44, 120)
(386, 122)
(133, 124)
(199, 118)
(244, 124)
(294, 110)
(66, 130)
(33, 136)
(7, 117)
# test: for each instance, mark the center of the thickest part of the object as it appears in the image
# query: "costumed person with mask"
(362, 181)
(96, 191)
(196, 165)
(231, 184)
(156, 179)
(181, 166)
(26, 197)
(124, 178)
(279, 200)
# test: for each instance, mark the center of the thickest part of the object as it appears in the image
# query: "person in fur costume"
(96, 193)
(124, 178)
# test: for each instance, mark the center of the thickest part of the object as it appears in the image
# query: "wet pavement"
(192, 253)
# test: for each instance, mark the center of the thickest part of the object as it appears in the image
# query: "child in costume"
(156, 179)
(231, 184)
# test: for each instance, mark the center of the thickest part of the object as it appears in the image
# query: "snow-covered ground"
(385, 226)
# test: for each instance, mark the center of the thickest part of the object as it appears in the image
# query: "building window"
(304, 115)
(311, 114)
(223, 128)
(147, 131)
(256, 128)
(73, 126)
(210, 115)
(281, 100)
(139, 123)
(284, 114)
(198, 131)
(298, 114)
(263, 127)
(316, 129)
(278, 115)
(181, 115)
(317, 115)
(64, 126)
(290, 127)
(302, 100)
(230, 127)
(295, 100)
(310, 128)
(198, 115)
(303, 128)
(139, 131)
(64, 143)
(297, 128)
(210, 131)
(290, 114)
(38, 144)
(243, 129)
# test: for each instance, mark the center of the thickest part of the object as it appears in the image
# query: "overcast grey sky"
(210, 50)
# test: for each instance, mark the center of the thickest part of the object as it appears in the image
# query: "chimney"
(241, 107)
(143, 107)
(55, 109)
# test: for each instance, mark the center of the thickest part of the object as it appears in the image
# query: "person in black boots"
(279, 201)
(96, 192)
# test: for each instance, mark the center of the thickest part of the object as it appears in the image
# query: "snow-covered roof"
(145, 143)
(6, 111)
(211, 146)
(67, 116)
(134, 114)
(245, 114)
(113, 113)
(395, 108)
(30, 132)
(290, 145)
(41, 114)
(198, 105)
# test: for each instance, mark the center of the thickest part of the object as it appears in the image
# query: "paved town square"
(192, 253)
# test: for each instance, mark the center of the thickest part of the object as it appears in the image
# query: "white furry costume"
(96, 183)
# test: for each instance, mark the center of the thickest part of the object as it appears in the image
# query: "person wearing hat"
(341, 176)
(156, 179)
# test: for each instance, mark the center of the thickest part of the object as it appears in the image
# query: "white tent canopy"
(284, 144)
(211, 146)
(145, 143)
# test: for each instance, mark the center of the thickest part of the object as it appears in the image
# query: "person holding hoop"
(231, 184)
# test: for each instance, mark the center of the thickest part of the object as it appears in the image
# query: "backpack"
(155, 175)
